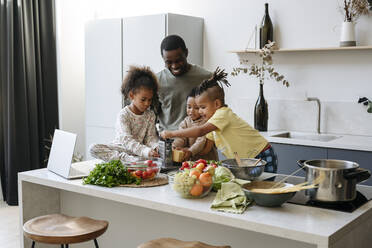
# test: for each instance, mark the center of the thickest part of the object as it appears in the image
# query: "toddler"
(229, 132)
(136, 136)
(194, 148)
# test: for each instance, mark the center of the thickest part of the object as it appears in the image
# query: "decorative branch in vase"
(262, 71)
(352, 10)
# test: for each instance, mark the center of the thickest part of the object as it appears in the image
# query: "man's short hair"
(172, 42)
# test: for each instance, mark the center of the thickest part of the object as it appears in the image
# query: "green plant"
(365, 101)
(110, 174)
(263, 71)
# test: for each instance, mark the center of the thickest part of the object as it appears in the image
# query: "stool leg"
(96, 243)
(62, 246)
(66, 245)
(33, 244)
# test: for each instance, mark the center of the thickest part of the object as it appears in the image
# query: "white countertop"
(295, 222)
(349, 142)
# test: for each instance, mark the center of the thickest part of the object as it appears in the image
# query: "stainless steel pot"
(340, 179)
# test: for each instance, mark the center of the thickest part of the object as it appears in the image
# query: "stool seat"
(63, 229)
(175, 243)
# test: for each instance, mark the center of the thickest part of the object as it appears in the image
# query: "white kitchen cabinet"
(111, 45)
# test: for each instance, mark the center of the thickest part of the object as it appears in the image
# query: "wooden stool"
(174, 243)
(62, 229)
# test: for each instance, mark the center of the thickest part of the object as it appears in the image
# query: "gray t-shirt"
(173, 92)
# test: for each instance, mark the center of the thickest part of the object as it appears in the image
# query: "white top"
(295, 222)
(136, 133)
(349, 142)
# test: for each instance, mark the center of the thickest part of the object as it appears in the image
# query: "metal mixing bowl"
(247, 171)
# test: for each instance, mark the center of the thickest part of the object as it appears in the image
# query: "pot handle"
(301, 164)
(359, 174)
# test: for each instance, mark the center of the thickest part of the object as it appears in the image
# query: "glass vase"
(261, 113)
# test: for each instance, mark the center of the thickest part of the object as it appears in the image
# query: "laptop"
(60, 157)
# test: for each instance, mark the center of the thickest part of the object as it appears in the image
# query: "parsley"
(110, 174)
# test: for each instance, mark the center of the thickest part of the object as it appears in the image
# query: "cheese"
(177, 155)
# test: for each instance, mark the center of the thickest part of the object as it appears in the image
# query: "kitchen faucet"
(319, 108)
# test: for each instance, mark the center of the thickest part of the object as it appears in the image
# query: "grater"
(165, 152)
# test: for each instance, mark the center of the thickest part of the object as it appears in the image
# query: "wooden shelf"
(285, 50)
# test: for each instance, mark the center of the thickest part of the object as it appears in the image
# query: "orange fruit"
(197, 189)
(195, 172)
(206, 179)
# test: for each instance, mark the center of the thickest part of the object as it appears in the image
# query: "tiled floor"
(9, 226)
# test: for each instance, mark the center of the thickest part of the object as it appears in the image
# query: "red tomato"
(194, 165)
(201, 161)
(153, 165)
(185, 165)
(145, 175)
(155, 170)
(150, 171)
(148, 162)
(134, 174)
(214, 165)
(152, 175)
(130, 170)
(138, 173)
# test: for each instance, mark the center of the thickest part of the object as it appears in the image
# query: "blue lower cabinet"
(363, 158)
(288, 155)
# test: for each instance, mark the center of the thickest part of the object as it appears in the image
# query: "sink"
(306, 136)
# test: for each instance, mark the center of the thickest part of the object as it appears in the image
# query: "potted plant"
(365, 101)
(262, 71)
(352, 10)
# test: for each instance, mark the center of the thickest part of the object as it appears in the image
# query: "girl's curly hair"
(140, 77)
(214, 86)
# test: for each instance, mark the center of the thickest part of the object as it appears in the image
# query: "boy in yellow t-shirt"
(229, 132)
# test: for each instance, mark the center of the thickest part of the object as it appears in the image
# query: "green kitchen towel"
(230, 198)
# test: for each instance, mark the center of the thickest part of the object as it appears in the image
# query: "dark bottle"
(266, 28)
(261, 113)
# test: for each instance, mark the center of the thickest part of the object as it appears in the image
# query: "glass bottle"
(266, 28)
(261, 113)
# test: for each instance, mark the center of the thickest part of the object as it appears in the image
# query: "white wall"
(337, 78)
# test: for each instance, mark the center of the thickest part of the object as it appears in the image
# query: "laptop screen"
(61, 152)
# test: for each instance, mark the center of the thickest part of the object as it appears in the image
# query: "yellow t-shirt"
(233, 134)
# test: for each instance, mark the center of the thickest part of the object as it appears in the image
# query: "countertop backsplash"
(347, 118)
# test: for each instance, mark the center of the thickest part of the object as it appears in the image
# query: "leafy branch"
(263, 71)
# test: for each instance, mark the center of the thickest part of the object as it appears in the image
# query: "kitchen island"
(137, 215)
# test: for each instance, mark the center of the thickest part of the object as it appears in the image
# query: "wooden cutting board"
(160, 179)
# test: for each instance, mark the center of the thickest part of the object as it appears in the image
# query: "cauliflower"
(183, 183)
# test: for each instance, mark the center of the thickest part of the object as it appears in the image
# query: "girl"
(136, 136)
(194, 148)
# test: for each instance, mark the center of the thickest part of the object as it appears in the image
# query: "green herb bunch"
(110, 174)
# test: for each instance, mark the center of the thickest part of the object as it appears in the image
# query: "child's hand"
(186, 154)
(154, 153)
(166, 134)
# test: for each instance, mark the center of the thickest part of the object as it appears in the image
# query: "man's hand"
(166, 134)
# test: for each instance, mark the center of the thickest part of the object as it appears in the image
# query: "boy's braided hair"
(214, 86)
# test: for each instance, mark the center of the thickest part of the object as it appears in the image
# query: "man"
(176, 81)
